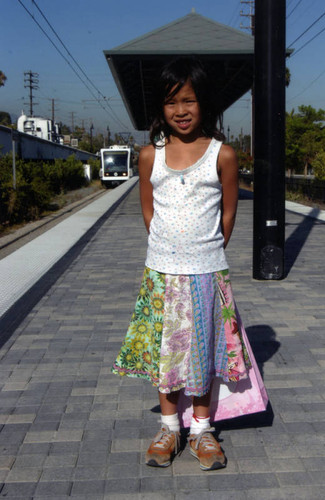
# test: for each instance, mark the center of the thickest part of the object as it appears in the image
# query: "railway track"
(19, 237)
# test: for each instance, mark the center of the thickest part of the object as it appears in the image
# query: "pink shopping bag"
(233, 399)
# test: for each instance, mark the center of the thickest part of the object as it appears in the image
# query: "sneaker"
(207, 450)
(163, 447)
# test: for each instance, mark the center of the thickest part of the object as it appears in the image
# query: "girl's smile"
(182, 111)
(183, 124)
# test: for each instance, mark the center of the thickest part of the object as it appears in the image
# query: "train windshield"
(115, 162)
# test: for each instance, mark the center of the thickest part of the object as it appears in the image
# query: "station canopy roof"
(228, 53)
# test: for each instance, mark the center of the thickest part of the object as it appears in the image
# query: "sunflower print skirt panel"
(183, 333)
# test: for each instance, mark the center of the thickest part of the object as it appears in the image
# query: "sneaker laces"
(208, 441)
(162, 438)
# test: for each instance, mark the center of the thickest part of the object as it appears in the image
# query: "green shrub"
(245, 161)
(72, 173)
(95, 167)
(29, 202)
(54, 177)
(36, 184)
(318, 165)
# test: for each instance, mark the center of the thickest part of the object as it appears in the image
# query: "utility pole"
(72, 121)
(53, 110)
(269, 165)
(251, 27)
(31, 81)
(91, 137)
(250, 15)
(124, 136)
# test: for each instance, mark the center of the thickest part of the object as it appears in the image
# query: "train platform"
(71, 429)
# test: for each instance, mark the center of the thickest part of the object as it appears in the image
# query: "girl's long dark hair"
(173, 76)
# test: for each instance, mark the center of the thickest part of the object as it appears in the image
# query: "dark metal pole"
(13, 163)
(91, 137)
(269, 149)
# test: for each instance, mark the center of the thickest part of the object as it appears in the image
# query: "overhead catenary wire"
(307, 29)
(294, 8)
(289, 3)
(308, 86)
(65, 47)
(309, 41)
(111, 112)
(78, 65)
(302, 47)
(234, 15)
(57, 48)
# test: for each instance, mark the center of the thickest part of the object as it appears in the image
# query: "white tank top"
(185, 234)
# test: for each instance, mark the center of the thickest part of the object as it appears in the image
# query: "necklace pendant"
(182, 179)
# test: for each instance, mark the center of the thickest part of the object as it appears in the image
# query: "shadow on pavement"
(262, 339)
(298, 238)
(245, 194)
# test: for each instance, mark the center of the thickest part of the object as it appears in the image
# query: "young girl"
(177, 337)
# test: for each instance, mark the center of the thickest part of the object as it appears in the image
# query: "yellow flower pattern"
(139, 354)
(181, 327)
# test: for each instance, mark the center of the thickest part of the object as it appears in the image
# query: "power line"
(55, 46)
(297, 51)
(78, 65)
(233, 16)
(289, 3)
(68, 62)
(65, 47)
(309, 27)
(308, 86)
(311, 39)
(299, 2)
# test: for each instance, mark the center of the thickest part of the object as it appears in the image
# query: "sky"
(89, 27)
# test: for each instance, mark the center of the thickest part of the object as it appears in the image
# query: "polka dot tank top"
(185, 234)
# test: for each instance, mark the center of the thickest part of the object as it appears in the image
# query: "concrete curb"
(20, 270)
(298, 208)
(33, 226)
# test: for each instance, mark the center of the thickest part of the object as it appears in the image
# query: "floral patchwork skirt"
(183, 333)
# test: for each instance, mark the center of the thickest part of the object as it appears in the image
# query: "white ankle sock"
(199, 424)
(172, 421)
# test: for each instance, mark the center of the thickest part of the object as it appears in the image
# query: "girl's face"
(182, 112)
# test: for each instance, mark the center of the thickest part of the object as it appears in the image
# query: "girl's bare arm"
(146, 159)
(228, 174)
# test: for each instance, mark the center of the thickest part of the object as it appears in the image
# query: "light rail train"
(116, 165)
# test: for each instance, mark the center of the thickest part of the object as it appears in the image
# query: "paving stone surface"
(71, 429)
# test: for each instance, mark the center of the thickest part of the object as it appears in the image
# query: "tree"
(92, 146)
(287, 77)
(305, 137)
(5, 118)
(65, 130)
(3, 78)
(241, 143)
(78, 132)
(318, 165)
(245, 161)
(117, 139)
